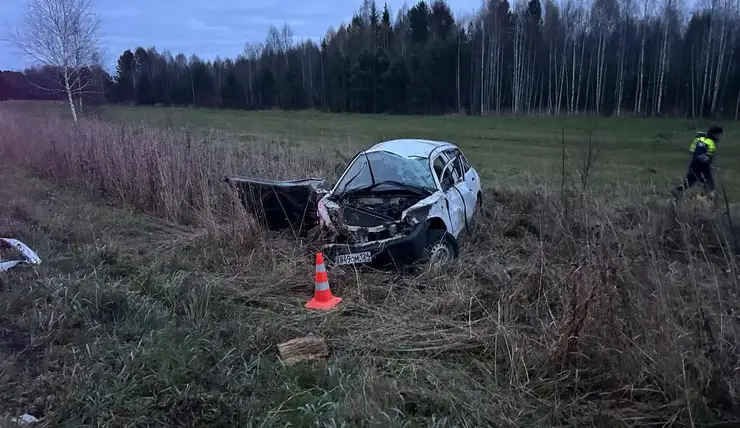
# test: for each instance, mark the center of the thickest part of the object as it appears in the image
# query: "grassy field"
(160, 303)
(650, 153)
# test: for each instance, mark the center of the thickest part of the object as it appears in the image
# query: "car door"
(471, 176)
(465, 183)
(453, 202)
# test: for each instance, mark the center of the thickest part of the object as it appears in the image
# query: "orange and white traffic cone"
(322, 298)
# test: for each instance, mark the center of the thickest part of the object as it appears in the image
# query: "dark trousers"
(698, 172)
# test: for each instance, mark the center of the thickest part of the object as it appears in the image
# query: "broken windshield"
(386, 167)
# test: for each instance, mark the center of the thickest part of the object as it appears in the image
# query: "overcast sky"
(207, 28)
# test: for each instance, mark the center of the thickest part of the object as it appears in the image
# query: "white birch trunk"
(663, 62)
(482, 66)
(561, 87)
(706, 83)
(550, 100)
(572, 102)
(620, 72)
(720, 62)
(640, 76)
(580, 74)
(457, 76)
(693, 84)
(68, 90)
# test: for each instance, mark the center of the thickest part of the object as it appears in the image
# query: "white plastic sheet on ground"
(29, 256)
(25, 418)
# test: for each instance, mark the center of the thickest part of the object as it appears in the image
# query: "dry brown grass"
(565, 309)
(175, 175)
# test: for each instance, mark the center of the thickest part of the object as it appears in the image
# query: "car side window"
(439, 165)
(465, 164)
(457, 165)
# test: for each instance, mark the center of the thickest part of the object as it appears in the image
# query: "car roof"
(409, 147)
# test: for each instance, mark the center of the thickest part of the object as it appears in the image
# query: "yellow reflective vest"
(703, 145)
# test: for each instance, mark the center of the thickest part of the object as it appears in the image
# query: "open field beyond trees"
(577, 301)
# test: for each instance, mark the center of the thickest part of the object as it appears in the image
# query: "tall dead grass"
(174, 175)
(576, 309)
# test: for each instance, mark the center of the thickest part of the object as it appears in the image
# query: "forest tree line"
(606, 57)
(41, 83)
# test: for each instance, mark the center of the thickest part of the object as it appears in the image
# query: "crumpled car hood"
(420, 210)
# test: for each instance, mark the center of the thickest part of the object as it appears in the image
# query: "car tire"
(441, 248)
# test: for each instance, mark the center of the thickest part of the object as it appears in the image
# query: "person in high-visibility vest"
(702, 149)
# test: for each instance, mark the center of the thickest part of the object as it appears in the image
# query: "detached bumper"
(394, 251)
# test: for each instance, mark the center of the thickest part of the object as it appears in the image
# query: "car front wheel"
(441, 248)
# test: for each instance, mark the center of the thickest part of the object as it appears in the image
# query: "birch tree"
(670, 13)
(252, 54)
(61, 35)
(626, 7)
(603, 18)
(640, 87)
(519, 65)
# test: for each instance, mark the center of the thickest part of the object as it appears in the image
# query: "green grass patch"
(628, 151)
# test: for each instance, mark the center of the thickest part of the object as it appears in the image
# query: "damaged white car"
(399, 201)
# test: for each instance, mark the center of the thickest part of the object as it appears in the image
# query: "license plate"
(354, 258)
